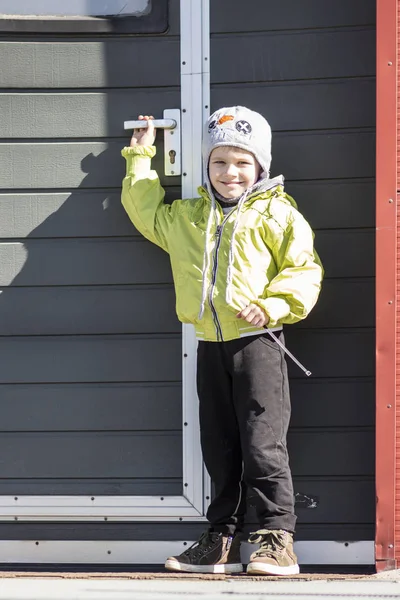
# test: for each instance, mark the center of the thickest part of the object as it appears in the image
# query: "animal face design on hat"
(242, 126)
(220, 121)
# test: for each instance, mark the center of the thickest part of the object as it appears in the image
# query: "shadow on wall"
(87, 240)
(75, 272)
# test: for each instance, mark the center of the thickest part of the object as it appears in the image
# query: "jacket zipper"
(218, 235)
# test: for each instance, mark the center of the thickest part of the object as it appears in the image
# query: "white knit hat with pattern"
(241, 127)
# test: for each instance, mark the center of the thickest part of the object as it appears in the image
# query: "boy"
(242, 259)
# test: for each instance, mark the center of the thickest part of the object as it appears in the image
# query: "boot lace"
(272, 542)
(203, 545)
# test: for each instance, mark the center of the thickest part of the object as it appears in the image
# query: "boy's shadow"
(70, 272)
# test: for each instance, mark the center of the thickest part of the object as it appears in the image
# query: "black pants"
(244, 416)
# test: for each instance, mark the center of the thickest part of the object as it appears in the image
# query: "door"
(98, 423)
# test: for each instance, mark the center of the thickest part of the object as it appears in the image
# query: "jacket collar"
(260, 187)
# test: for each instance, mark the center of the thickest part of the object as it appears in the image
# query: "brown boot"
(213, 553)
(275, 555)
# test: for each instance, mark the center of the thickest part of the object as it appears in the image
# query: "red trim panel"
(386, 247)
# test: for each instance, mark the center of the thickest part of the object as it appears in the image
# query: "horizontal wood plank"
(90, 359)
(267, 15)
(91, 64)
(91, 455)
(78, 310)
(83, 262)
(132, 407)
(96, 359)
(332, 453)
(346, 253)
(69, 165)
(302, 105)
(84, 114)
(91, 407)
(301, 156)
(332, 353)
(88, 310)
(287, 106)
(324, 155)
(325, 501)
(111, 486)
(335, 204)
(331, 204)
(332, 403)
(81, 213)
(343, 303)
(313, 54)
(290, 55)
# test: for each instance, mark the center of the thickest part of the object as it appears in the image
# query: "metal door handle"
(171, 123)
(158, 123)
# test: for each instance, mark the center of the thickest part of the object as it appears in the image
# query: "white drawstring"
(294, 359)
(228, 295)
(206, 258)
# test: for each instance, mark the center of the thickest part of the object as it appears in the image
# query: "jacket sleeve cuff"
(138, 159)
(275, 308)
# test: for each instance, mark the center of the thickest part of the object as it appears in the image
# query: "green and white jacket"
(262, 252)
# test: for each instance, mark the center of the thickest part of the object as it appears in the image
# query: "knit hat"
(241, 127)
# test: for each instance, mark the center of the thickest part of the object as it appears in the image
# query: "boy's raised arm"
(142, 194)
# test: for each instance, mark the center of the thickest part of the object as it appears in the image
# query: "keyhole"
(172, 155)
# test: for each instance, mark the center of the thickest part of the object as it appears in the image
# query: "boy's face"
(232, 171)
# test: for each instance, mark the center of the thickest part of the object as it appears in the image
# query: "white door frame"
(191, 506)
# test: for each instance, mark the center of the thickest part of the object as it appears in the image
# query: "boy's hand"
(146, 136)
(254, 314)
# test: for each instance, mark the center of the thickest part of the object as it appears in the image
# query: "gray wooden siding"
(66, 64)
(265, 15)
(77, 310)
(293, 55)
(139, 411)
(91, 375)
(82, 262)
(85, 310)
(309, 67)
(98, 164)
(313, 75)
(100, 214)
(113, 358)
(64, 164)
(87, 114)
(90, 456)
(97, 261)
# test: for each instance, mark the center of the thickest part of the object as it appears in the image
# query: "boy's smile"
(232, 171)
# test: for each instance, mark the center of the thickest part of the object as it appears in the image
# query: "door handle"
(158, 124)
(171, 124)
